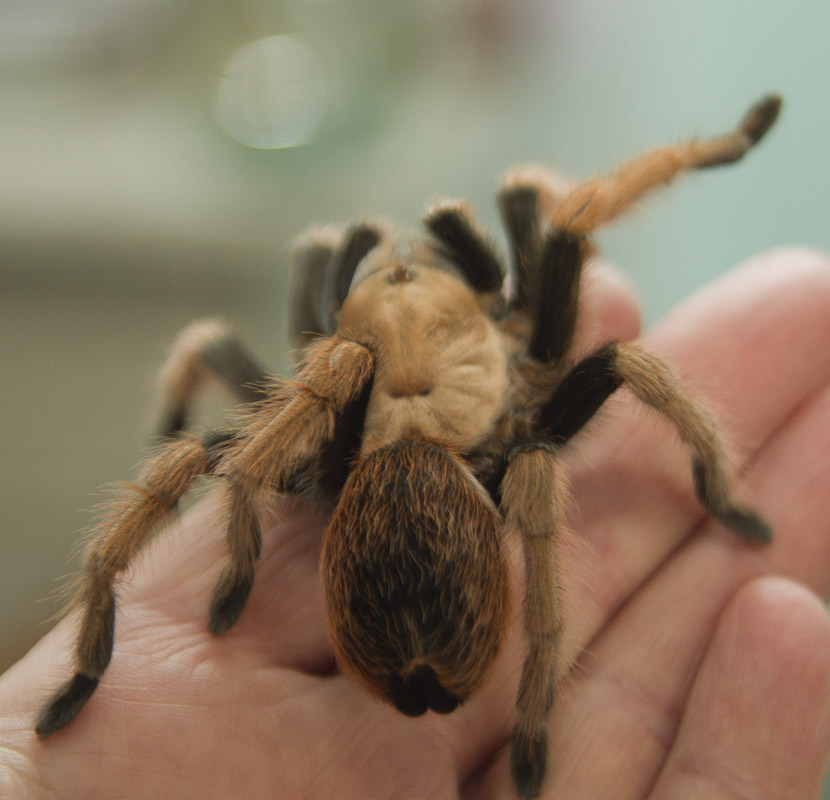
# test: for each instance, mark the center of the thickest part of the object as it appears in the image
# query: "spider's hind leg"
(244, 540)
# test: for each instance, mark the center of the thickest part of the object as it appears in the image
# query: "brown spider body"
(427, 413)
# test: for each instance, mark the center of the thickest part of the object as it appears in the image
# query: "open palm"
(688, 670)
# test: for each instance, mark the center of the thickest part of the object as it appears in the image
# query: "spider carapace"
(428, 411)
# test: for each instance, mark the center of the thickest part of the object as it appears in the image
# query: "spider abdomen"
(416, 581)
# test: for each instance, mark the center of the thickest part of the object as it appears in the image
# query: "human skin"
(695, 665)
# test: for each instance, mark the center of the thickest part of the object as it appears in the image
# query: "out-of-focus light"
(272, 93)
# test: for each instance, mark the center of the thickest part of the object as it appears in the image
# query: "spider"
(428, 412)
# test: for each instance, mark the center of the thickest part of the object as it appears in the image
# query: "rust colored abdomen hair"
(416, 582)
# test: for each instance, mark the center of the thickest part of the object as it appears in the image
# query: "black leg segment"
(65, 705)
(466, 246)
(519, 207)
(554, 320)
(582, 391)
(359, 241)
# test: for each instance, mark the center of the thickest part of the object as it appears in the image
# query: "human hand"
(687, 673)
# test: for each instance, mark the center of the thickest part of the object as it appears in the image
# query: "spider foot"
(747, 524)
(528, 760)
(715, 497)
(760, 117)
(65, 705)
(228, 602)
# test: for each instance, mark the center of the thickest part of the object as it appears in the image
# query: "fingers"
(757, 722)
(753, 720)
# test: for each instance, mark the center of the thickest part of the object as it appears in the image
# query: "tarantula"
(427, 413)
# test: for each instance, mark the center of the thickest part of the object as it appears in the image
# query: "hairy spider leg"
(323, 265)
(590, 382)
(521, 215)
(205, 349)
(310, 258)
(533, 496)
(299, 441)
(547, 266)
(466, 245)
(415, 577)
(526, 198)
(556, 302)
(334, 381)
(595, 202)
(357, 242)
(128, 522)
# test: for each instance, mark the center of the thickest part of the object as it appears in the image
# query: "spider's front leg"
(299, 441)
(549, 220)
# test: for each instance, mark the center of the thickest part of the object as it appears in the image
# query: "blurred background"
(158, 156)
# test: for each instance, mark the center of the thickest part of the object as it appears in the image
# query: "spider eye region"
(401, 273)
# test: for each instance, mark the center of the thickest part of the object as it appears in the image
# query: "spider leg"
(310, 257)
(128, 523)
(526, 199)
(323, 263)
(300, 441)
(596, 202)
(557, 298)
(466, 245)
(533, 197)
(415, 577)
(533, 495)
(590, 382)
(355, 245)
(205, 349)
(282, 443)
(550, 285)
